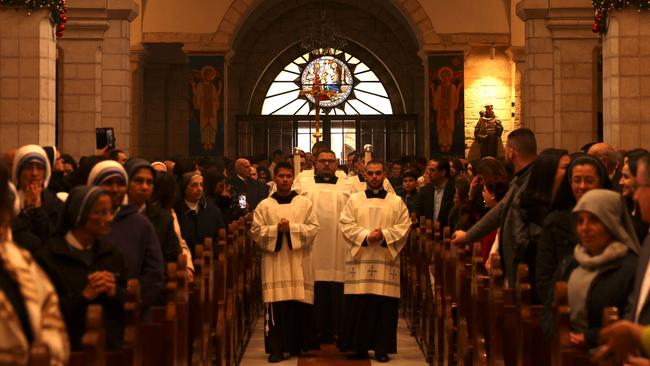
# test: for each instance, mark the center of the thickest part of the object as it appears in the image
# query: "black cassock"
(290, 327)
(369, 323)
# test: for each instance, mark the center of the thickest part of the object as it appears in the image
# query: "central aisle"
(409, 353)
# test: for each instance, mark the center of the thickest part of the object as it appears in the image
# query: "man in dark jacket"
(246, 192)
(132, 233)
(141, 184)
(521, 151)
(436, 199)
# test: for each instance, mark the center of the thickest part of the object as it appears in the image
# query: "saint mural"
(207, 101)
(446, 93)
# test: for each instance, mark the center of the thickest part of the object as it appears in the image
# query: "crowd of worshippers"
(330, 237)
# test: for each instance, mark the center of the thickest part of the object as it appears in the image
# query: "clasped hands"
(33, 194)
(283, 226)
(100, 282)
(375, 236)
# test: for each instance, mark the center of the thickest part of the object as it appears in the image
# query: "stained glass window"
(343, 84)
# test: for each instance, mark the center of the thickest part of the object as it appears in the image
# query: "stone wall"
(488, 80)
(626, 79)
(27, 78)
(559, 81)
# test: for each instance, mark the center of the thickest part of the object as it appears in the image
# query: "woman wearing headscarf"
(199, 218)
(558, 236)
(85, 269)
(600, 272)
(40, 210)
(29, 305)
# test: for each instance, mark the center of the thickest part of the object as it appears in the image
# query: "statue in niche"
(445, 103)
(488, 132)
(207, 100)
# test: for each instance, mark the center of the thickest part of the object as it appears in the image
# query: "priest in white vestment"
(376, 224)
(328, 193)
(358, 181)
(284, 227)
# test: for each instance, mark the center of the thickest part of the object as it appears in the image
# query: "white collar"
(193, 206)
(73, 242)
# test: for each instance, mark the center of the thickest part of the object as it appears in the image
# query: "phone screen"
(242, 201)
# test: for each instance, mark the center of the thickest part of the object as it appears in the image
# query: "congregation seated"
(85, 269)
(600, 272)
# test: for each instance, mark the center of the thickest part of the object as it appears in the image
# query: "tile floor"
(408, 351)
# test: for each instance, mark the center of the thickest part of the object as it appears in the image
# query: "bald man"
(607, 154)
(245, 191)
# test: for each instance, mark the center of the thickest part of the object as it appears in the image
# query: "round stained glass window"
(327, 78)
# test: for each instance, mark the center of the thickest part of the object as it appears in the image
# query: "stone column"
(27, 78)
(558, 88)
(626, 79)
(137, 97)
(116, 71)
(96, 79)
(80, 81)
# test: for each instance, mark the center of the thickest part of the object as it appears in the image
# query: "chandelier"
(323, 38)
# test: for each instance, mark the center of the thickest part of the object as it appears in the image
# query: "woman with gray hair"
(600, 272)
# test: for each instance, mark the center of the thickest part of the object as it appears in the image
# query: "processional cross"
(318, 93)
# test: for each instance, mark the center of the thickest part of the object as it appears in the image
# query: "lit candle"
(367, 153)
(296, 160)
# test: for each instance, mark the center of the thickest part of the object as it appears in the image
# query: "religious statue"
(207, 100)
(445, 103)
(488, 132)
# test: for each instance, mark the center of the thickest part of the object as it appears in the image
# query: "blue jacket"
(135, 238)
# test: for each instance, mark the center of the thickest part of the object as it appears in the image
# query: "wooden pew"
(530, 345)
(197, 296)
(159, 336)
(564, 353)
(182, 311)
(39, 355)
(131, 351)
(93, 340)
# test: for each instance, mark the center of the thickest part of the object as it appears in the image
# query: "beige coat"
(42, 304)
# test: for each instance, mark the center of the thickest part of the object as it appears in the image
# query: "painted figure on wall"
(207, 101)
(446, 105)
(445, 102)
(488, 132)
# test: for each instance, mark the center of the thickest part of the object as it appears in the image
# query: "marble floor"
(408, 352)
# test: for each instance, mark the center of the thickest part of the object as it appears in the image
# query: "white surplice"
(359, 186)
(329, 246)
(375, 267)
(287, 274)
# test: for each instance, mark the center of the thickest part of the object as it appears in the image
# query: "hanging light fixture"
(323, 38)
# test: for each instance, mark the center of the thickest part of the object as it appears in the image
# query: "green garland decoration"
(602, 8)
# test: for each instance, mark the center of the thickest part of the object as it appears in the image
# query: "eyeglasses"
(327, 161)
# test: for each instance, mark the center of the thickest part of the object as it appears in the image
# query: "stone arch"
(412, 11)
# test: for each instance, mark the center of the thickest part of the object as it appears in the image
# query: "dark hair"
(377, 161)
(212, 177)
(80, 176)
(282, 165)
(410, 174)
(6, 201)
(523, 141)
(585, 148)
(645, 160)
(277, 153)
(462, 188)
(460, 167)
(67, 159)
(265, 170)
(164, 190)
(113, 154)
(494, 176)
(564, 198)
(325, 151)
(443, 164)
(633, 157)
(537, 197)
(352, 153)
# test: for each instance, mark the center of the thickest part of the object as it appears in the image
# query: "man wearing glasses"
(328, 194)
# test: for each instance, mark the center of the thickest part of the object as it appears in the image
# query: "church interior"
(423, 81)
